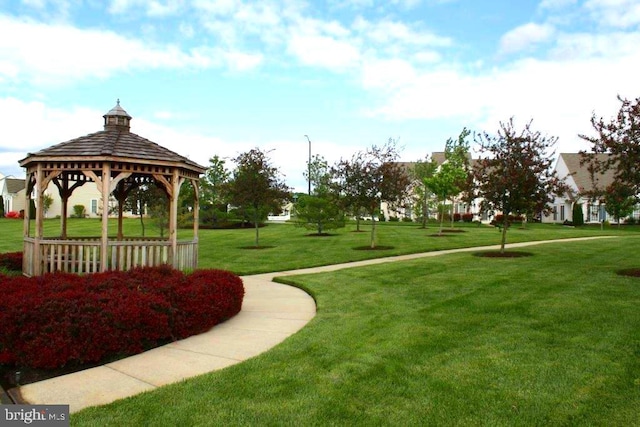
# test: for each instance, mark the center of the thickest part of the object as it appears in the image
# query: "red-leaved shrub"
(11, 261)
(60, 318)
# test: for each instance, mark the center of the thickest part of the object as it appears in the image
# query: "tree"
(1, 207)
(619, 201)
(374, 176)
(619, 139)
(256, 187)
(347, 185)
(421, 171)
(212, 194)
(320, 174)
(516, 176)
(320, 210)
(47, 201)
(451, 177)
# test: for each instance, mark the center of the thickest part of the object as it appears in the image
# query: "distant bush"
(406, 219)
(79, 211)
(394, 219)
(511, 218)
(630, 221)
(59, 318)
(467, 217)
(457, 217)
(578, 215)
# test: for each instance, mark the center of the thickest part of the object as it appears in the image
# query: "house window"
(555, 213)
(562, 213)
(94, 206)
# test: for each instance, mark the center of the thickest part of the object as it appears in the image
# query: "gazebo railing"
(83, 255)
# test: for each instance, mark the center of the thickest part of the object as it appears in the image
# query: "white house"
(13, 193)
(580, 182)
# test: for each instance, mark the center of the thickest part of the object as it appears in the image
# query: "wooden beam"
(104, 190)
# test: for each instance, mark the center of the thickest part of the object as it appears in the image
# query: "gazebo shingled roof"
(114, 143)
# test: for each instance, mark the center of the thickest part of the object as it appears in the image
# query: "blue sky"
(207, 77)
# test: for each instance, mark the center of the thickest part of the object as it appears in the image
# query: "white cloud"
(525, 36)
(556, 4)
(614, 13)
(324, 51)
(387, 74)
(61, 53)
(152, 8)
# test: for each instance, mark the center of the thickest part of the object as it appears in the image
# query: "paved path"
(270, 313)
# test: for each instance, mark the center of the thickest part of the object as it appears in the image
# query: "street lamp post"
(309, 165)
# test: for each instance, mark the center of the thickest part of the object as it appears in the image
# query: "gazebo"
(117, 161)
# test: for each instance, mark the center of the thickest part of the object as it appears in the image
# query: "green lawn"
(551, 339)
(289, 248)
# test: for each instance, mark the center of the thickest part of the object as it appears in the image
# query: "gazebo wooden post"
(104, 248)
(39, 231)
(27, 248)
(27, 202)
(196, 209)
(173, 217)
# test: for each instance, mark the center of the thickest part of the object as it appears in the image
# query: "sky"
(220, 77)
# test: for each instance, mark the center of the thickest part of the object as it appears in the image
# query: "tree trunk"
(441, 218)
(255, 222)
(505, 224)
(373, 233)
(452, 202)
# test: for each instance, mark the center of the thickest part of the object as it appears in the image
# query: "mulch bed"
(369, 248)
(630, 272)
(320, 235)
(505, 254)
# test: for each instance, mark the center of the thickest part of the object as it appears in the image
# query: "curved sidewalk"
(270, 313)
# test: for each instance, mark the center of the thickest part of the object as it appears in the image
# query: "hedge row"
(60, 319)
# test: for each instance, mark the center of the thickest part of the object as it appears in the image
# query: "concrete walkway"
(270, 313)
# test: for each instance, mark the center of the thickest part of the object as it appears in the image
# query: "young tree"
(619, 201)
(347, 185)
(375, 176)
(450, 179)
(421, 171)
(212, 197)
(619, 139)
(516, 176)
(47, 201)
(320, 210)
(256, 186)
(320, 175)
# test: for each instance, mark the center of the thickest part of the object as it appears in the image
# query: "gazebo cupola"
(117, 119)
(115, 162)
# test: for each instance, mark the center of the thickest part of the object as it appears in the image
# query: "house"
(580, 183)
(12, 191)
(408, 208)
